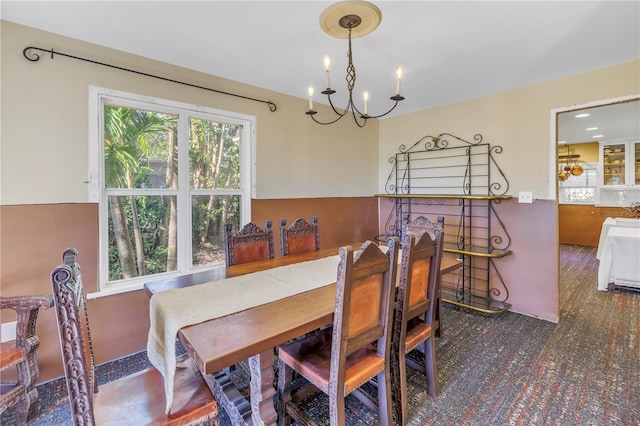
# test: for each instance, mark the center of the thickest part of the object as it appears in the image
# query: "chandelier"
(351, 19)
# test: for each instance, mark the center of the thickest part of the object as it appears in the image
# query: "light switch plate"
(525, 197)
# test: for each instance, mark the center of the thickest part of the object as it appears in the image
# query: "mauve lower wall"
(34, 236)
(530, 272)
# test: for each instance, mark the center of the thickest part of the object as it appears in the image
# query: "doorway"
(618, 121)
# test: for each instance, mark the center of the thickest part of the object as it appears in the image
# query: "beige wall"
(45, 124)
(519, 121)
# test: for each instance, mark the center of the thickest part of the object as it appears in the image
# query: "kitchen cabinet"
(620, 164)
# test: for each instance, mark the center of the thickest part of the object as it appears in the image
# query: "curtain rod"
(34, 57)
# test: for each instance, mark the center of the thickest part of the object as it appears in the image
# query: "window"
(580, 189)
(167, 177)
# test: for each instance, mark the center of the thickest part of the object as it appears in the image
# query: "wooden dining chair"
(422, 224)
(414, 315)
(417, 227)
(300, 237)
(250, 243)
(340, 359)
(137, 399)
(20, 353)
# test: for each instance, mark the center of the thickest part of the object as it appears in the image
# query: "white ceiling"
(615, 122)
(449, 50)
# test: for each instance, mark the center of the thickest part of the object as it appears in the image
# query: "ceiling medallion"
(351, 19)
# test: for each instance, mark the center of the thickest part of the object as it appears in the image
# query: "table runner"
(172, 310)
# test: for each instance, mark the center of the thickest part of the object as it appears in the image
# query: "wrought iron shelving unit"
(448, 176)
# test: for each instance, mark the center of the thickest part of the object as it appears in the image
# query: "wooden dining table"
(253, 334)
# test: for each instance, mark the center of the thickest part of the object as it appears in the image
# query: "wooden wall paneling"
(34, 236)
(581, 224)
(341, 220)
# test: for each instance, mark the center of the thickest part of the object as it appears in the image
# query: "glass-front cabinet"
(620, 163)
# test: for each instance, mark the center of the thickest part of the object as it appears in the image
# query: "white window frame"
(98, 96)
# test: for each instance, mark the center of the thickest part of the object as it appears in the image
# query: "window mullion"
(184, 195)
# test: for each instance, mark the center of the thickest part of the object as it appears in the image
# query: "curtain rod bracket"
(32, 56)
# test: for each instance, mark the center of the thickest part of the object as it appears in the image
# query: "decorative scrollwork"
(494, 243)
(495, 187)
(435, 201)
(497, 242)
(61, 275)
(435, 143)
(495, 293)
(32, 56)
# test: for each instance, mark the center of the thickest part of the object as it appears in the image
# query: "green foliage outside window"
(142, 178)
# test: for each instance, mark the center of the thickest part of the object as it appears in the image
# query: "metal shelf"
(446, 196)
(479, 252)
(476, 303)
(461, 181)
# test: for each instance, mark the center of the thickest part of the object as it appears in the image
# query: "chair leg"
(385, 411)
(402, 375)
(285, 374)
(431, 369)
(22, 410)
(438, 322)
(337, 415)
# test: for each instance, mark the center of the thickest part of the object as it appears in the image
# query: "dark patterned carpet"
(508, 369)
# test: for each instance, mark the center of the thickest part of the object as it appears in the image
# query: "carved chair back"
(418, 227)
(250, 244)
(364, 295)
(422, 224)
(300, 237)
(419, 271)
(416, 303)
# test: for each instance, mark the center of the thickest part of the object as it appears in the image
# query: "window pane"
(214, 155)
(147, 195)
(209, 214)
(142, 236)
(138, 147)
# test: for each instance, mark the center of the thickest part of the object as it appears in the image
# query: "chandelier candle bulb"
(365, 95)
(399, 76)
(310, 98)
(327, 65)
